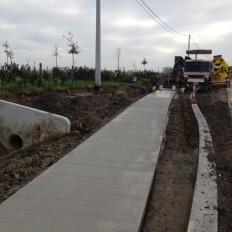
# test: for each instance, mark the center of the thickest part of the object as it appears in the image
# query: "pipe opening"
(16, 142)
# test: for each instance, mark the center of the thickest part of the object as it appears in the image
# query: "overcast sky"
(33, 27)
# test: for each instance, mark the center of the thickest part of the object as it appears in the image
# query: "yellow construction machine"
(220, 75)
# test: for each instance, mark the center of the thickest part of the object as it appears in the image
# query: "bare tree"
(117, 55)
(55, 53)
(144, 62)
(28, 62)
(6, 46)
(73, 46)
(34, 64)
(10, 54)
(134, 66)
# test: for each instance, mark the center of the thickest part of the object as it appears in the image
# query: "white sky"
(33, 27)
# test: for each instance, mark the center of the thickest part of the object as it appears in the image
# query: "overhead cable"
(159, 20)
(154, 17)
(194, 42)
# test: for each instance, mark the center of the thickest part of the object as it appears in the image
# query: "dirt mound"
(84, 111)
(54, 103)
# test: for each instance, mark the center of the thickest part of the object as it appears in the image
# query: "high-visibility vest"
(154, 88)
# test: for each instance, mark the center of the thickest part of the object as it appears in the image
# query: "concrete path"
(100, 186)
(204, 213)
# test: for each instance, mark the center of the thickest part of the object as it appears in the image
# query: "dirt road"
(171, 195)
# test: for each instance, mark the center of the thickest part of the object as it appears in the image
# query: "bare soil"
(171, 195)
(170, 199)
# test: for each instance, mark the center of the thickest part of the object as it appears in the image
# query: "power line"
(159, 20)
(154, 17)
(198, 46)
(162, 20)
(194, 42)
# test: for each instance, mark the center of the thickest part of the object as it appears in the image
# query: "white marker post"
(193, 93)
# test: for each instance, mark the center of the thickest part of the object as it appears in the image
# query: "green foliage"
(14, 78)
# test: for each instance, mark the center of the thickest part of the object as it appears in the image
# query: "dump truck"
(220, 75)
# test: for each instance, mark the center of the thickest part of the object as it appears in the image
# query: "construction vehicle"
(178, 67)
(177, 72)
(220, 75)
(198, 72)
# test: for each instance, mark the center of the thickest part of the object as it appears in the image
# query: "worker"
(181, 84)
(153, 82)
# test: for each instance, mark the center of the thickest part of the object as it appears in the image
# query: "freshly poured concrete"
(204, 213)
(100, 186)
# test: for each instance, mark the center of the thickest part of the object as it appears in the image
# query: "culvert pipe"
(19, 125)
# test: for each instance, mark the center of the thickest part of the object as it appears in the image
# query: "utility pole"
(118, 54)
(98, 44)
(189, 42)
(188, 45)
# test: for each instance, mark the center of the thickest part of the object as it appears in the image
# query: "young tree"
(117, 55)
(6, 46)
(144, 62)
(73, 46)
(34, 65)
(10, 54)
(28, 62)
(55, 53)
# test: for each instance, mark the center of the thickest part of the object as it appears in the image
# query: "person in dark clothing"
(153, 82)
(181, 84)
